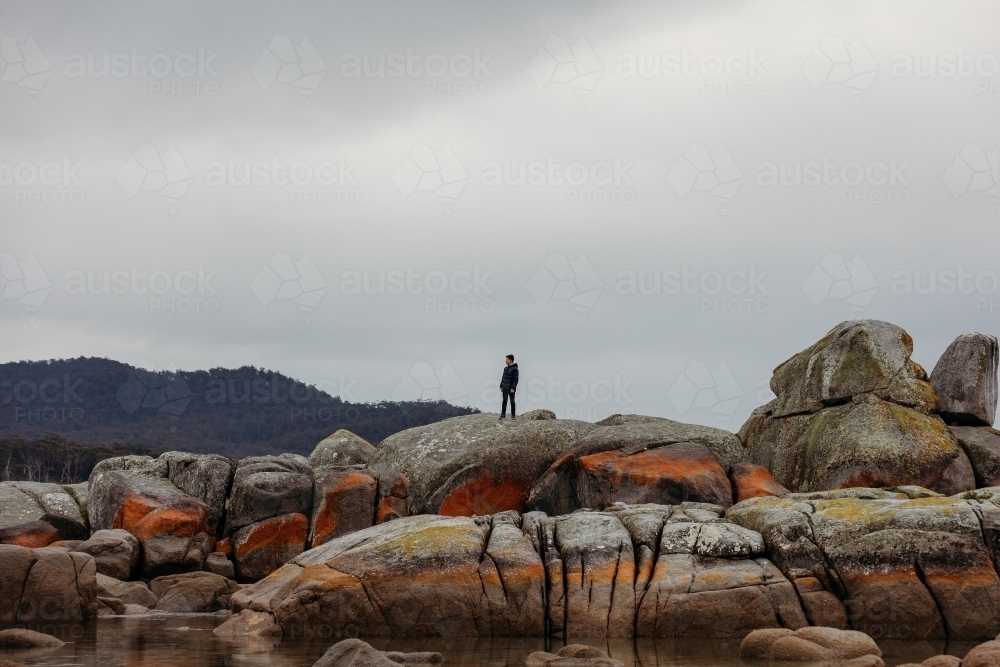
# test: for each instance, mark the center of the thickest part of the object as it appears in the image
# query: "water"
(186, 640)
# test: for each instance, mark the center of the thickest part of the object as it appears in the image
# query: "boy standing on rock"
(508, 383)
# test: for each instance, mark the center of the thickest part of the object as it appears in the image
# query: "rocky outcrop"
(633, 458)
(474, 464)
(753, 481)
(46, 587)
(132, 493)
(855, 410)
(651, 570)
(965, 380)
(265, 487)
(905, 561)
(342, 448)
(36, 514)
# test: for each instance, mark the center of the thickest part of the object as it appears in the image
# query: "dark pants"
(507, 393)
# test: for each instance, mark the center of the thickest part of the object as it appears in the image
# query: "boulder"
(753, 481)
(342, 448)
(115, 551)
(807, 644)
(17, 507)
(192, 592)
(54, 499)
(265, 487)
(668, 475)
(905, 567)
(32, 534)
(692, 475)
(46, 587)
(219, 563)
(855, 410)
(69, 530)
(129, 592)
(206, 477)
(251, 624)
(986, 654)
(965, 380)
(982, 446)
(20, 638)
(474, 464)
(356, 653)
(344, 501)
(393, 496)
(261, 548)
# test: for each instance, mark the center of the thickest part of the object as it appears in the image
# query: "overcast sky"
(650, 204)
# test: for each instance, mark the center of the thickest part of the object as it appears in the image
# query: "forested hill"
(236, 412)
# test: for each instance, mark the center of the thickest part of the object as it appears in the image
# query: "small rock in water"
(356, 653)
(812, 644)
(19, 638)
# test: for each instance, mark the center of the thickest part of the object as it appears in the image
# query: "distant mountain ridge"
(237, 412)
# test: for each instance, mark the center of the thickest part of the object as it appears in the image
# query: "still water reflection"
(187, 641)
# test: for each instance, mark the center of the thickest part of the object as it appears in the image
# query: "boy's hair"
(511, 357)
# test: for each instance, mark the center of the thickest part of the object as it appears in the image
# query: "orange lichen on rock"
(344, 503)
(33, 534)
(754, 481)
(485, 495)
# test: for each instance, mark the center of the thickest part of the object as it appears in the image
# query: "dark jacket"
(509, 379)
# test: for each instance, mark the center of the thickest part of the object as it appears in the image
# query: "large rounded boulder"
(965, 379)
(342, 448)
(475, 464)
(639, 459)
(855, 410)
